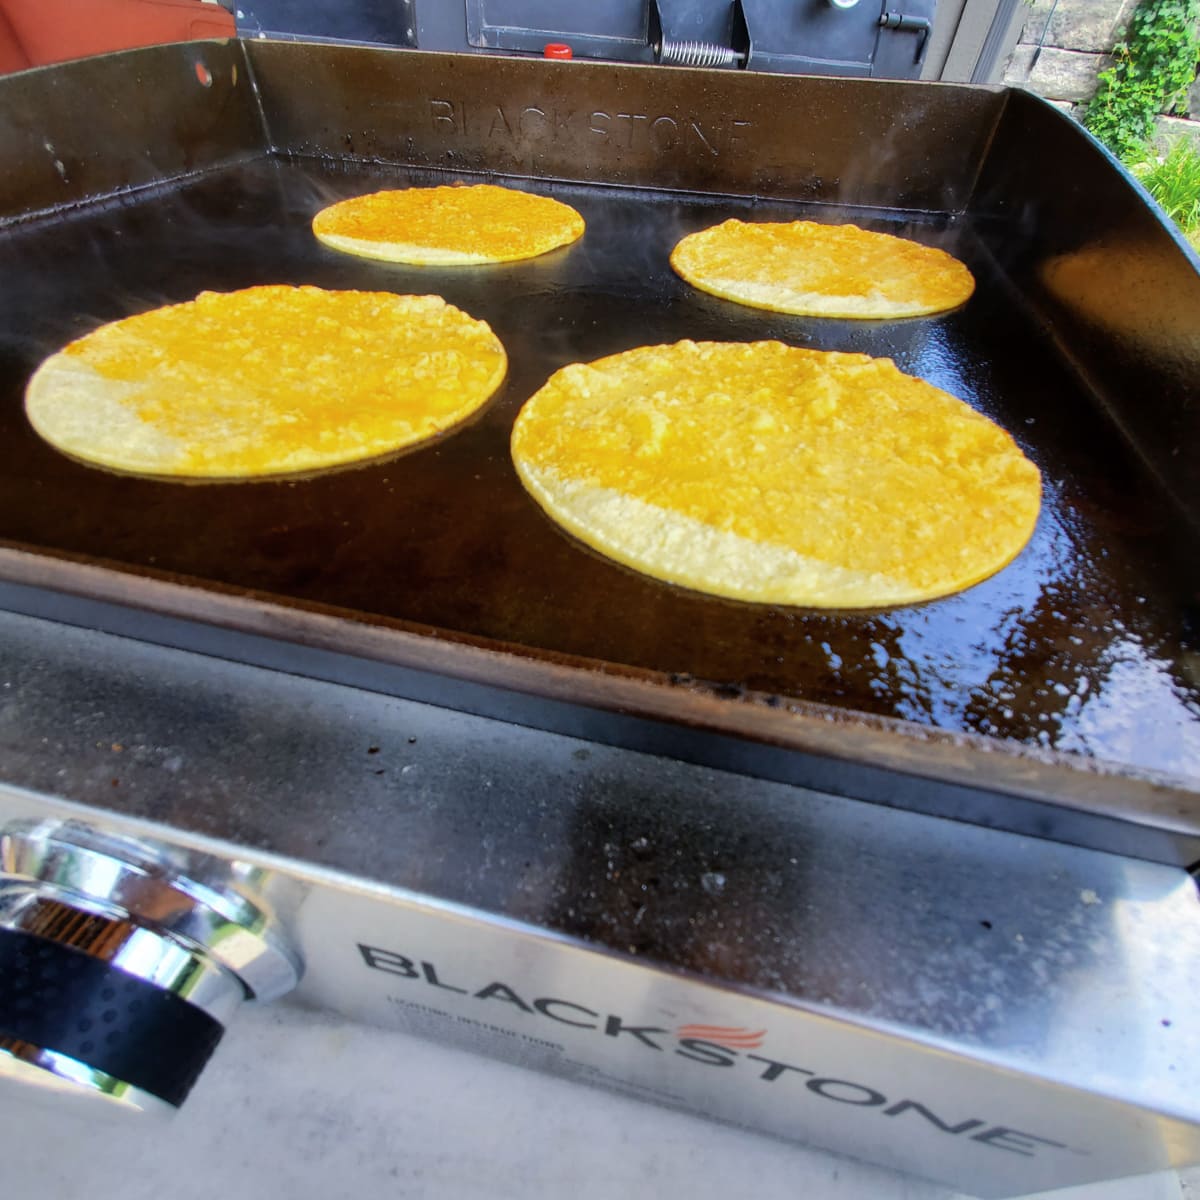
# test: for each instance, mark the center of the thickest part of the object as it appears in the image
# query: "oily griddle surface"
(1084, 644)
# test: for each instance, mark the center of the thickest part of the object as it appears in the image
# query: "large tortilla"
(266, 381)
(768, 473)
(448, 226)
(811, 269)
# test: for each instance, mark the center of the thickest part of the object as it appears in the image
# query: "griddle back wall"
(835, 141)
(112, 124)
(1108, 278)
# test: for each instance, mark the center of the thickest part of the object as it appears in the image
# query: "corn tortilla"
(448, 226)
(810, 269)
(768, 473)
(270, 380)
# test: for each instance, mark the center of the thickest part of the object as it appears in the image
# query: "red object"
(36, 32)
(12, 56)
(558, 50)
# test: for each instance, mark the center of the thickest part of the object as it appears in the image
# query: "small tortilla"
(768, 473)
(448, 226)
(271, 380)
(810, 269)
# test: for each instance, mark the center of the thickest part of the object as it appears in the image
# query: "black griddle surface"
(1087, 643)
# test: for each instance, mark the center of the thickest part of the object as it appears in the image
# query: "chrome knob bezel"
(158, 888)
(182, 936)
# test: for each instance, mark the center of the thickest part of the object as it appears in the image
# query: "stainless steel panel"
(998, 982)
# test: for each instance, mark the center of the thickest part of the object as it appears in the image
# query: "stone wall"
(1063, 47)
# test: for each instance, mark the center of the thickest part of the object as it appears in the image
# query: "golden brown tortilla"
(266, 381)
(768, 473)
(809, 269)
(448, 226)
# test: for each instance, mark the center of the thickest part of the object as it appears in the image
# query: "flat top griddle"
(1061, 697)
(1080, 645)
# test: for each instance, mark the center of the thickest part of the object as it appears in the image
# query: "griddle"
(1061, 697)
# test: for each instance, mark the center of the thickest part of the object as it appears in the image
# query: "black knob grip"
(61, 999)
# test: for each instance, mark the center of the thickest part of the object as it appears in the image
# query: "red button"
(557, 50)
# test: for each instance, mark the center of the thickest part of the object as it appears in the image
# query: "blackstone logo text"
(714, 1046)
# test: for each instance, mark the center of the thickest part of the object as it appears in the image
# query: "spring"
(697, 54)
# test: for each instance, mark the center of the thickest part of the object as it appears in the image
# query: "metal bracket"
(906, 24)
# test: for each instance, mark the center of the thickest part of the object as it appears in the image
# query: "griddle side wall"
(1109, 276)
(861, 143)
(120, 123)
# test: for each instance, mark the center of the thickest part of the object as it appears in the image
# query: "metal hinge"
(903, 23)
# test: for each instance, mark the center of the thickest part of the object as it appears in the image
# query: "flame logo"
(730, 1036)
